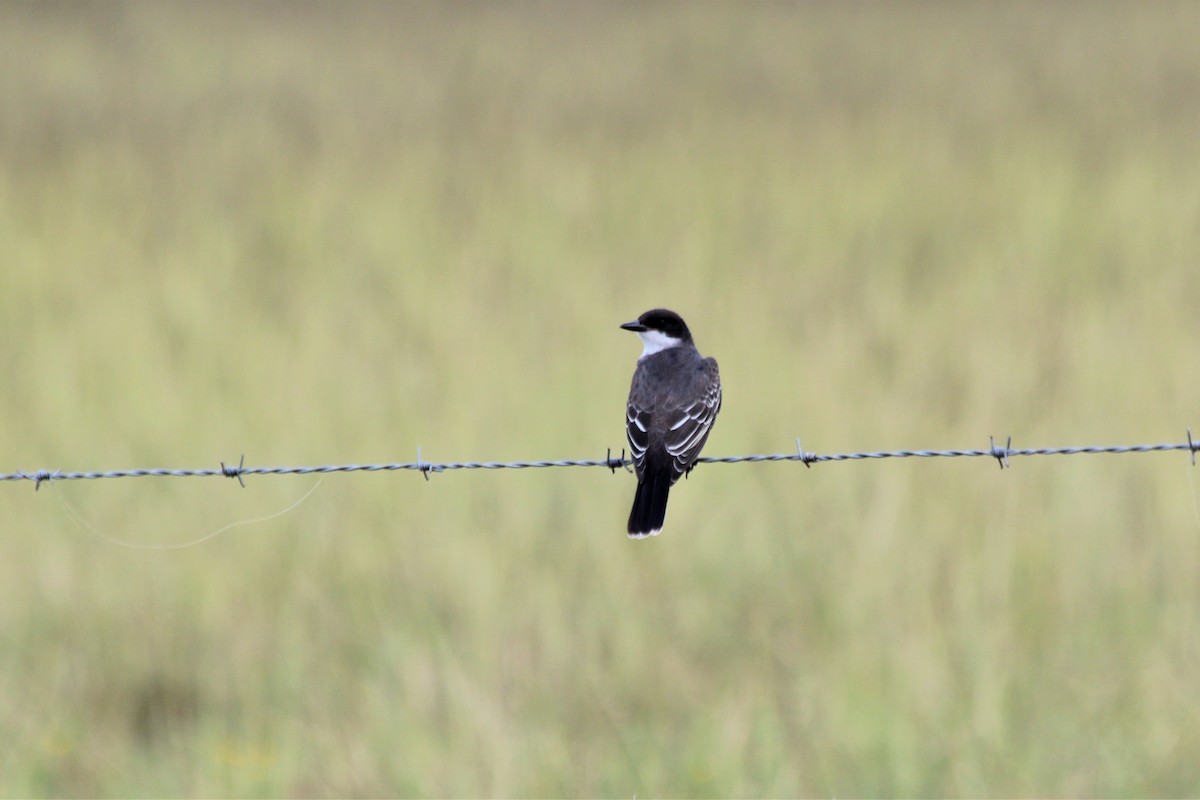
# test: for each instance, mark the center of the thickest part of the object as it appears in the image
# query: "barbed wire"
(1002, 454)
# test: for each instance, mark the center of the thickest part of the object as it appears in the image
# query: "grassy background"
(317, 235)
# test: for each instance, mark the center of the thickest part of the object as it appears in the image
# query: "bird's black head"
(663, 321)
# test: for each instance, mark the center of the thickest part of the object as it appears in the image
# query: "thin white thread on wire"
(90, 528)
(1002, 454)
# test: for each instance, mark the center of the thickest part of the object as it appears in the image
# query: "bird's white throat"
(656, 341)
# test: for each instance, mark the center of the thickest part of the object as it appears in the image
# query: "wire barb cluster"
(1002, 454)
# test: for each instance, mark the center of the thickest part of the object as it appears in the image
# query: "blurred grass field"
(318, 234)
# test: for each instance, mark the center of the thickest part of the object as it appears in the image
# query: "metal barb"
(805, 458)
(1193, 446)
(1000, 454)
(235, 472)
(422, 466)
(39, 476)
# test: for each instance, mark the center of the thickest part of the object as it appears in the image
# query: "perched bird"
(674, 398)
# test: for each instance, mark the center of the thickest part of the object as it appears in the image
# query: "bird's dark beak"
(634, 326)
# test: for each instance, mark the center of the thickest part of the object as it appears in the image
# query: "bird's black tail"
(650, 504)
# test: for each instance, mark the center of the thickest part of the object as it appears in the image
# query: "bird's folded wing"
(637, 425)
(688, 429)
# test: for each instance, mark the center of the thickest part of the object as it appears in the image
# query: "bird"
(674, 399)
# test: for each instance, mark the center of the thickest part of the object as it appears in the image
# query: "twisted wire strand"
(1002, 454)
